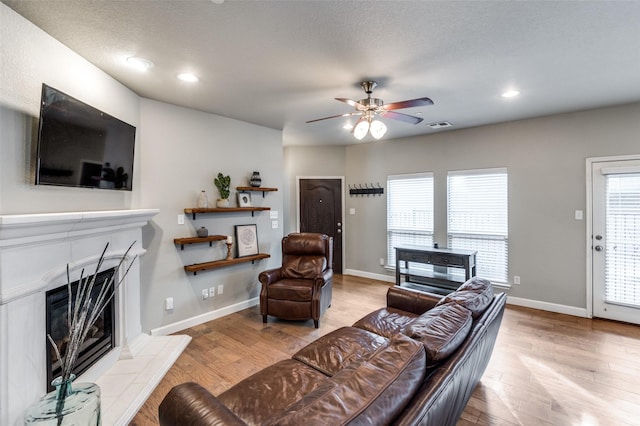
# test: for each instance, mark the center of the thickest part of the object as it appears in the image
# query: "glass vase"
(203, 201)
(67, 405)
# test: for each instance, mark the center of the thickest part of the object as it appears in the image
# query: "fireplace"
(35, 250)
(99, 341)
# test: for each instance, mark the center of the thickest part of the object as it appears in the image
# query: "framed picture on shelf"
(244, 199)
(246, 240)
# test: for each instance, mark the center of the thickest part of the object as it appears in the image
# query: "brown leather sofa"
(300, 289)
(415, 362)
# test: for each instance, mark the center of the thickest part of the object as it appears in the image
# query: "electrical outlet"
(212, 291)
(220, 288)
(274, 224)
(168, 303)
(205, 294)
(516, 279)
(381, 261)
(180, 219)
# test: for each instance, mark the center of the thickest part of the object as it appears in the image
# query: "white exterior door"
(615, 239)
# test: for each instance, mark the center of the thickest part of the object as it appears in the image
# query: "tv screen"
(81, 146)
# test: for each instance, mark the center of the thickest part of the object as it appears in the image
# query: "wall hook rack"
(368, 189)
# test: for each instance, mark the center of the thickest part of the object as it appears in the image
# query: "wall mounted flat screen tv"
(81, 146)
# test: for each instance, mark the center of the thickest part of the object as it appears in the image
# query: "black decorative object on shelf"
(255, 180)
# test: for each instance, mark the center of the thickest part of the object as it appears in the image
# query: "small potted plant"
(223, 183)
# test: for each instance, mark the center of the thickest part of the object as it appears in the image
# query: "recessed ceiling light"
(188, 77)
(510, 93)
(141, 64)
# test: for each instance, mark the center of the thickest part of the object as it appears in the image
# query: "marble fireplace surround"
(34, 252)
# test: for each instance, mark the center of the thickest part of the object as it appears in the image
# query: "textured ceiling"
(281, 63)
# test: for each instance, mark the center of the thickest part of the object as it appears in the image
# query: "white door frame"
(589, 221)
(342, 213)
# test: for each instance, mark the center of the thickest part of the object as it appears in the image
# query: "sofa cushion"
(441, 330)
(386, 322)
(339, 349)
(271, 390)
(372, 392)
(475, 294)
(303, 267)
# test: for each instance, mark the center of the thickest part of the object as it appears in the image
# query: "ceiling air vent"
(440, 125)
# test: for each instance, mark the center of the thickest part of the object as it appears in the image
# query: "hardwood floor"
(546, 368)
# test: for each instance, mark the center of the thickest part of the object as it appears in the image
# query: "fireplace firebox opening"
(99, 341)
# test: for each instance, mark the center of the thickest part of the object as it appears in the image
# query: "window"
(409, 212)
(622, 260)
(477, 219)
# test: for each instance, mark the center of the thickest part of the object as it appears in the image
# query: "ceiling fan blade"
(351, 102)
(408, 104)
(402, 117)
(347, 114)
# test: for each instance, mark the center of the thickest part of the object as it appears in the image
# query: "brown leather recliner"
(301, 288)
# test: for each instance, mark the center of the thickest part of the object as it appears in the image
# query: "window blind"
(622, 255)
(477, 217)
(409, 212)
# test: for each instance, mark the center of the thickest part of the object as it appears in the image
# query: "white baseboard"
(546, 306)
(370, 275)
(527, 303)
(201, 319)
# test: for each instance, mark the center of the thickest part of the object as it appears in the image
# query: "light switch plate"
(273, 214)
(352, 210)
(579, 215)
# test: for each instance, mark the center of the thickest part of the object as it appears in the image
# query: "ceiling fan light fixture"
(377, 129)
(361, 129)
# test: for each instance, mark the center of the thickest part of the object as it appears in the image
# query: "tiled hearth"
(34, 252)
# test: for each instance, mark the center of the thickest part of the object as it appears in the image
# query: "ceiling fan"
(369, 107)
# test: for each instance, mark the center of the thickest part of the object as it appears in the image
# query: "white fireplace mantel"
(35, 250)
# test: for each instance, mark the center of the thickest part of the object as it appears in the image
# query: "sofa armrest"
(189, 404)
(270, 276)
(410, 300)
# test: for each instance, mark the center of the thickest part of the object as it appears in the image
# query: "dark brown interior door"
(321, 211)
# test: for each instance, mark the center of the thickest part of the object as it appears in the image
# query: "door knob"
(339, 231)
(598, 248)
(598, 237)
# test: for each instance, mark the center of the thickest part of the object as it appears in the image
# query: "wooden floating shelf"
(194, 211)
(256, 189)
(196, 267)
(196, 240)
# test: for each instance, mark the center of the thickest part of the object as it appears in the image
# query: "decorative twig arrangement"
(83, 313)
(367, 190)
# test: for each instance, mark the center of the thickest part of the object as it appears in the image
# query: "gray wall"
(178, 152)
(29, 58)
(545, 158)
(182, 151)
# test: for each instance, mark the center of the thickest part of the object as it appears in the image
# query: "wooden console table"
(408, 256)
